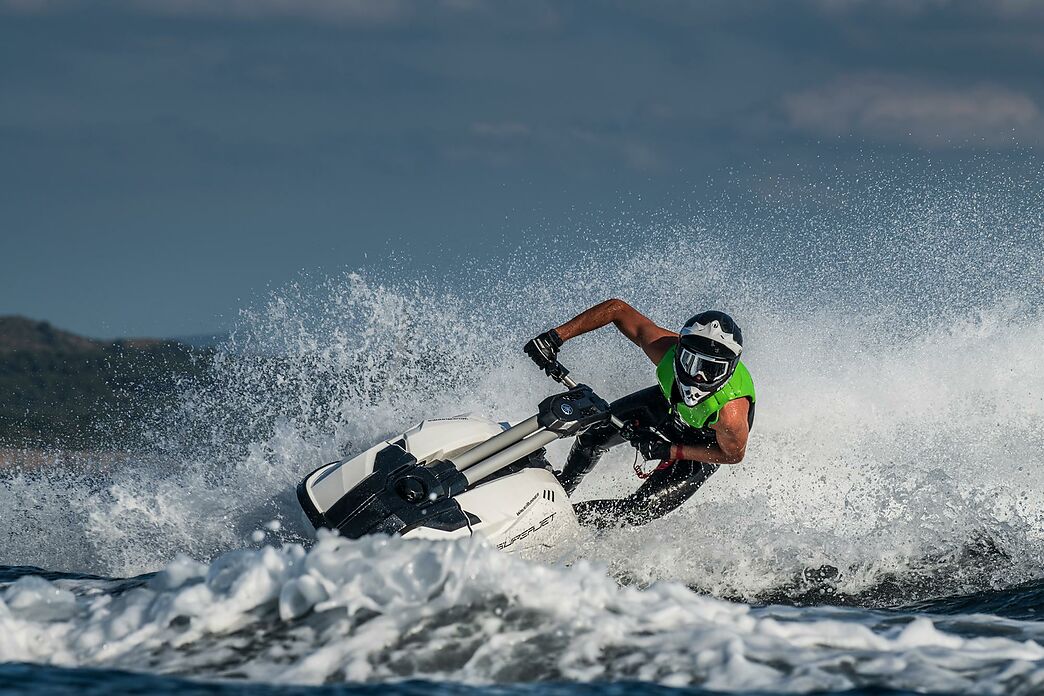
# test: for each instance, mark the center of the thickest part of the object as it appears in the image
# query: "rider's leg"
(664, 491)
(587, 449)
(647, 406)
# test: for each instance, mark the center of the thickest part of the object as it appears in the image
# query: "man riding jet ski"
(466, 475)
(696, 418)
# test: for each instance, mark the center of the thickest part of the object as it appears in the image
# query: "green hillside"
(58, 389)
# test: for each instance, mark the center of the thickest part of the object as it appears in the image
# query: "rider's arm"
(731, 433)
(642, 331)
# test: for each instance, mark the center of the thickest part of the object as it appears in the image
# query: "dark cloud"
(367, 11)
(373, 13)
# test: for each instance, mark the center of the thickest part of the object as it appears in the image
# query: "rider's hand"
(653, 448)
(544, 350)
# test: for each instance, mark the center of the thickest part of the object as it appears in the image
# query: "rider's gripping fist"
(653, 448)
(544, 350)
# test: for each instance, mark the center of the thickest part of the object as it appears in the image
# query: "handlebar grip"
(557, 371)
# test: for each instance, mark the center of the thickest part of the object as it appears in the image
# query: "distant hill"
(22, 334)
(58, 389)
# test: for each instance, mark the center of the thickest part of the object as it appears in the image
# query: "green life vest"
(705, 413)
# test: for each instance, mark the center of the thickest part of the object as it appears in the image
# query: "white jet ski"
(455, 477)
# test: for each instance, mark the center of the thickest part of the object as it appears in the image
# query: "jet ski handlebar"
(561, 375)
(561, 415)
(558, 372)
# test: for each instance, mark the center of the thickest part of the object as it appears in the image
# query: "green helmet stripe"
(705, 413)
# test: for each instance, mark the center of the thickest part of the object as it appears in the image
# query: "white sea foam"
(382, 609)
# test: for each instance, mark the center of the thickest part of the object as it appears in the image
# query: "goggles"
(699, 369)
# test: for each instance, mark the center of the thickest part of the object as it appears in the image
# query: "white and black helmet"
(709, 347)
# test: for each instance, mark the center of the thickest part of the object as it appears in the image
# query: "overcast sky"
(164, 161)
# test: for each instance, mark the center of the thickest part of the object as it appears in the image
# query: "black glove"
(653, 448)
(544, 351)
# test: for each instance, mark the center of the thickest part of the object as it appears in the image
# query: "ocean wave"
(384, 609)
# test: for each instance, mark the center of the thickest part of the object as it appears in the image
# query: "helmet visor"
(700, 370)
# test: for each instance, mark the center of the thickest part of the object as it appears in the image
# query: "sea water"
(884, 532)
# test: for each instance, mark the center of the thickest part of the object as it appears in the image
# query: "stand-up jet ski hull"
(454, 477)
(521, 509)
